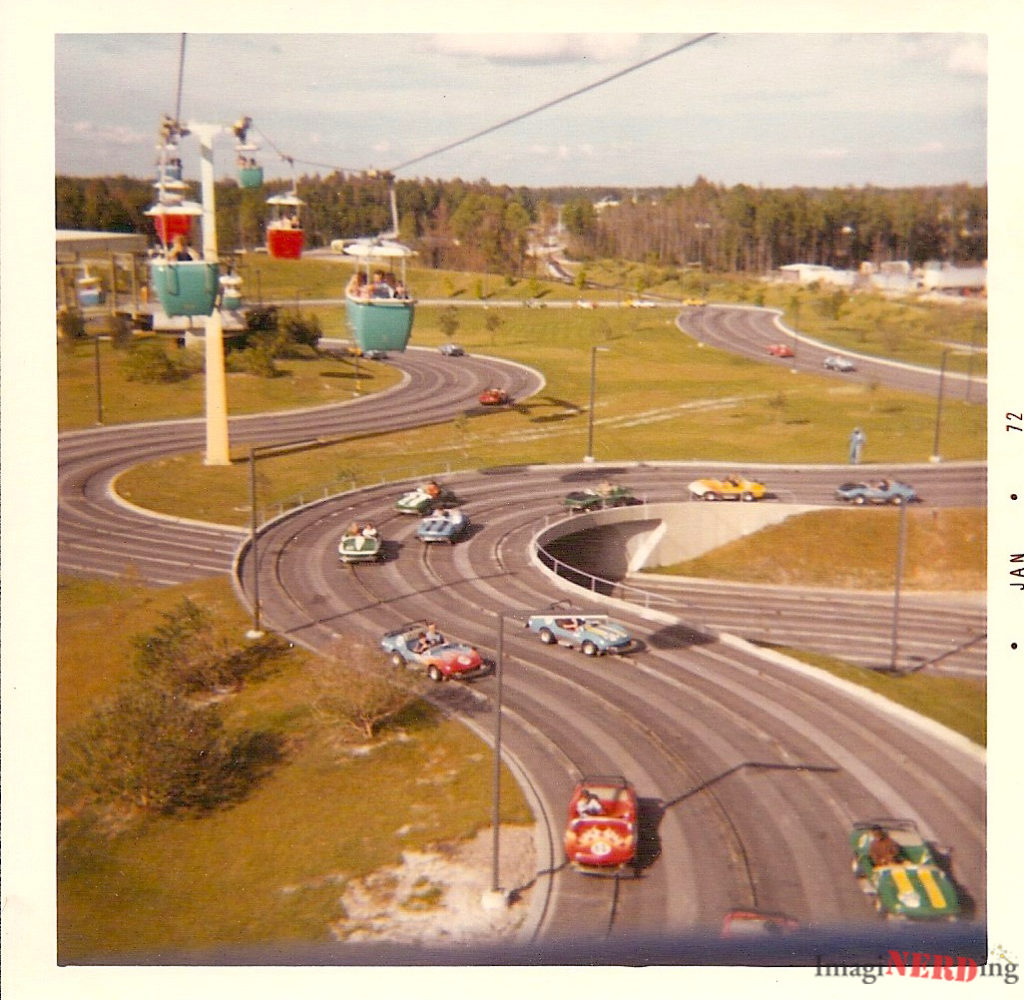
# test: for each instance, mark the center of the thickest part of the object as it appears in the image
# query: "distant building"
(937, 276)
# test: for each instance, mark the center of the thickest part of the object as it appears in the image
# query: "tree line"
(461, 225)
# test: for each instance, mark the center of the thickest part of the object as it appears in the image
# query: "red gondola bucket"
(285, 243)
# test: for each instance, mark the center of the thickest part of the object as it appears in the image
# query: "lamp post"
(496, 800)
(901, 545)
(936, 456)
(99, 383)
(589, 456)
(256, 631)
(702, 228)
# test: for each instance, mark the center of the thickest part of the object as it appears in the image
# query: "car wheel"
(710, 495)
(896, 501)
(589, 649)
(396, 660)
(746, 496)
(859, 501)
(434, 674)
(547, 636)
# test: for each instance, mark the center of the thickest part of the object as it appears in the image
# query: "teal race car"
(894, 863)
(593, 635)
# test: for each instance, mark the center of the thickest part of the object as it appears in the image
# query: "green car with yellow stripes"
(893, 862)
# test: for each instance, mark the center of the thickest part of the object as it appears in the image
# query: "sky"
(892, 109)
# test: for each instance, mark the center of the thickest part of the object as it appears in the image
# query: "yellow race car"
(729, 488)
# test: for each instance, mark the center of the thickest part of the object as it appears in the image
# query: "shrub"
(152, 750)
(184, 654)
(148, 361)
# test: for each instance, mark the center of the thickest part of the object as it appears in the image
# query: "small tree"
(148, 361)
(493, 323)
(358, 700)
(449, 321)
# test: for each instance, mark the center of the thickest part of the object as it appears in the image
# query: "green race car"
(893, 862)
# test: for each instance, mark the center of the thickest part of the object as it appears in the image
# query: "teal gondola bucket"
(250, 177)
(381, 325)
(185, 288)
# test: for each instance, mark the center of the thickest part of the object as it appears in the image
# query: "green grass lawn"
(659, 396)
(959, 703)
(272, 867)
(300, 383)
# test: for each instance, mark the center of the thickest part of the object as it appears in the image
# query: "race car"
(361, 543)
(425, 498)
(601, 832)
(730, 488)
(908, 884)
(884, 491)
(443, 525)
(419, 644)
(836, 363)
(754, 923)
(591, 634)
(597, 498)
(494, 397)
(780, 350)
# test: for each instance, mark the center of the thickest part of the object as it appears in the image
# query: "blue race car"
(884, 491)
(591, 634)
(443, 525)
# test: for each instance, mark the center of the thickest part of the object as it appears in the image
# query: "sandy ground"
(443, 896)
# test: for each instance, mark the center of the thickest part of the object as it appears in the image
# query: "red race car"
(601, 832)
(494, 397)
(780, 350)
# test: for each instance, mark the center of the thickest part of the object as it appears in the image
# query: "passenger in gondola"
(179, 250)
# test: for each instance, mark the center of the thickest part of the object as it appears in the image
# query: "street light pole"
(900, 550)
(99, 383)
(496, 801)
(256, 631)
(589, 456)
(936, 456)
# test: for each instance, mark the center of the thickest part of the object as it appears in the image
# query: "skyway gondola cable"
(558, 100)
(689, 43)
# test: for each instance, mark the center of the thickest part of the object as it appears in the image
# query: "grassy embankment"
(271, 868)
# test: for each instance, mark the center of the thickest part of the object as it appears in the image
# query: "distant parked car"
(494, 397)
(599, 497)
(729, 488)
(591, 634)
(452, 350)
(884, 491)
(695, 302)
(376, 355)
(836, 363)
(780, 350)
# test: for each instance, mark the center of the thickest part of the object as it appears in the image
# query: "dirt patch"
(441, 896)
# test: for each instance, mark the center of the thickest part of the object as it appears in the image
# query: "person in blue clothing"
(857, 439)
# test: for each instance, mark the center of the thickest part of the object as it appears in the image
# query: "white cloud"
(970, 58)
(829, 154)
(534, 49)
